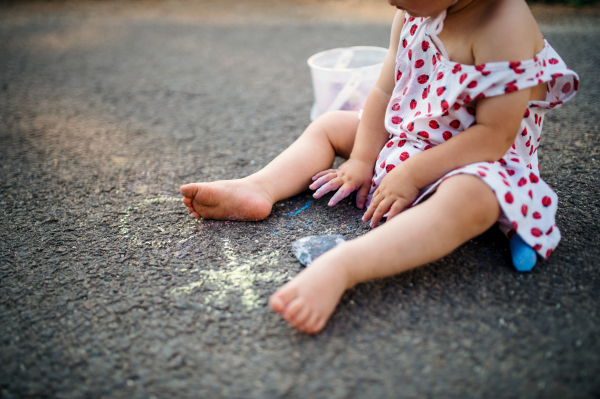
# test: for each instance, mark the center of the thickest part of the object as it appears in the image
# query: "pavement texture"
(108, 288)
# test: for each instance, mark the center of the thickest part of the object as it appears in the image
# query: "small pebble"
(308, 248)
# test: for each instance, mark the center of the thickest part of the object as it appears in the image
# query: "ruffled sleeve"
(563, 83)
(458, 83)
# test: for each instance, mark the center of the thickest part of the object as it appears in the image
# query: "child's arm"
(498, 121)
(357, 172)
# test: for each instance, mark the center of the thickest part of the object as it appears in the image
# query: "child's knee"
(470, 196)
(330, 122)
(339, 127)
(331, 118)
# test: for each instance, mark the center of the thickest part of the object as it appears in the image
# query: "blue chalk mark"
(299, 210)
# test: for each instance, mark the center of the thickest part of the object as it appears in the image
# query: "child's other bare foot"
(227, 200)
(308, 300)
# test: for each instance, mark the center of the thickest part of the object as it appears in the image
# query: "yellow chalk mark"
(119, 160)
(241, 278)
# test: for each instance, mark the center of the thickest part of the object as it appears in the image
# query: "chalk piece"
(523, 256)
(307, 249)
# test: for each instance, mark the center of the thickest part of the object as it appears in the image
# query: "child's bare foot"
(227, 200)
(308, 300)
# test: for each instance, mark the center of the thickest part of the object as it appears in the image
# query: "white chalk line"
(241, 273)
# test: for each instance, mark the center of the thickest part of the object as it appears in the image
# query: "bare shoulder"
(395, 34)
(397, 24)
(506, 31)
(386, 77)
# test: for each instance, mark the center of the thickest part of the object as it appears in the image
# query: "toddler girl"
(445, 148)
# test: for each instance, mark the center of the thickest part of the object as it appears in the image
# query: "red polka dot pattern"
(435, 99)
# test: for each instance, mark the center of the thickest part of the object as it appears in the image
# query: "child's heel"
(523, 256)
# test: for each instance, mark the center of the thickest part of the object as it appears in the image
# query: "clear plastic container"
(343, 77)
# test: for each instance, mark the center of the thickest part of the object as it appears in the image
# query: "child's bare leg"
(462, 208)
(252, 197)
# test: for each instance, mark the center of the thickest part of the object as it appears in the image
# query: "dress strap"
(434, 28)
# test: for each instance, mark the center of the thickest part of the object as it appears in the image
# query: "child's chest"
(458, 47)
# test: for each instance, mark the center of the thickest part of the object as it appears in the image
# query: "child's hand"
(394, 194)
(351, 175)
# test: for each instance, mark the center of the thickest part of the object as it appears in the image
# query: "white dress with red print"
(434, 99)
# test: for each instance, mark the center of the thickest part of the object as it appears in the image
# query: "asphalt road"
(109, 289)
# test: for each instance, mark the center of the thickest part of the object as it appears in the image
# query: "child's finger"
(327, 187)
(396, 208)
(322, 173)
(322, 180)
(371, 209)
(367, 216)
(361, 195)
(342, 193)
(382, 208)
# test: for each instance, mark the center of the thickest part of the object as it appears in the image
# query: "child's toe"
(315, 325)
(277, 303)
(308, 323)
(292, 309)
(284, 296)
(188, 190)
(301, 317)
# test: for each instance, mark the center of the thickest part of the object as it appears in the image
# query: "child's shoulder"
(505, 30)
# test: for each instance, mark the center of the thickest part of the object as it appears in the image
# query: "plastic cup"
(343, 77)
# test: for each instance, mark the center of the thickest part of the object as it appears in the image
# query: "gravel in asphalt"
(108, 288)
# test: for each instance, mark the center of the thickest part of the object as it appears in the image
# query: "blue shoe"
(523, 256)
